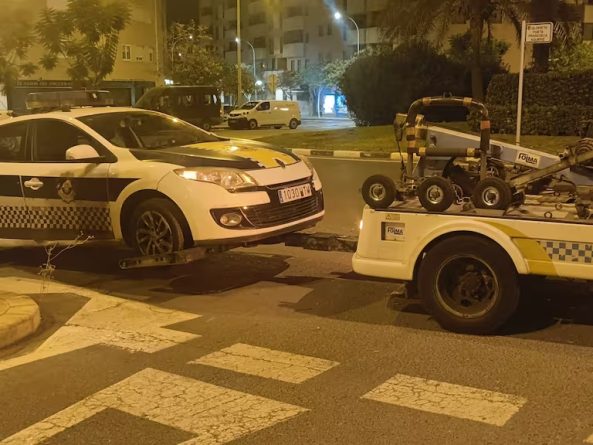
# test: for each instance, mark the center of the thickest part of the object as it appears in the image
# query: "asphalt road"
(285, 346)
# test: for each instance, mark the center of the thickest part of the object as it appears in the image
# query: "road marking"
(214, 415)
(437, 397)
(107, 320)
(267, 363)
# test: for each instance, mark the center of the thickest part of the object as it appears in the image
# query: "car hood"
(237, 153)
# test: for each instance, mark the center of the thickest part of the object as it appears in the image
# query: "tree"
(576, 58)
(192, 59)
(313, 78)
(16, 37)
(86, 35)
(289, 81)
(229, 81)
(432, 18)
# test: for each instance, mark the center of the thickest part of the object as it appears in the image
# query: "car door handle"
(34, 184)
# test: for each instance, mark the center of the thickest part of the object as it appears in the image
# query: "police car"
(149, 179)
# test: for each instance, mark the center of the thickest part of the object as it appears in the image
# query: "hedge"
(549, 89)
(539, 120)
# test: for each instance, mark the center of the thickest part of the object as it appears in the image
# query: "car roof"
(73, 113)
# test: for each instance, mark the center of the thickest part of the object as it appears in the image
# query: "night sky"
(182, 10)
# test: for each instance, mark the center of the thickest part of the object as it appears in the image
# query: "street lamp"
(252, 50)
(174, 43)
(338, 16)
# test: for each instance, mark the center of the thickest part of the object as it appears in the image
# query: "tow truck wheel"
(156, 228)
(436, 194)
(468, 284)
(492, 193)
(379, 191)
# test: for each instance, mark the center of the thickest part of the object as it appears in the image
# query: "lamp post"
(174, 42)
(338, 16)
(252, 51)
(239, 70)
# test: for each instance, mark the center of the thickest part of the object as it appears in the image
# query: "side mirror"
(83, 153)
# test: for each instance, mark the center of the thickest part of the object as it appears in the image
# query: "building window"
(257, 19)
(126, 52)
(299, 65)
(292, 65)
(294, 36)
(294, 11)
(259, 42)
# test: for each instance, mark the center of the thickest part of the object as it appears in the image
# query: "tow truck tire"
(379, 191)
(493, 194)
(156, 227)
(468, 284)
(436, 194)
(252, 124)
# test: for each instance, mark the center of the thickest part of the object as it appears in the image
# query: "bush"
(378, 86)
(553, 103)
(549, 89)
(561, 120)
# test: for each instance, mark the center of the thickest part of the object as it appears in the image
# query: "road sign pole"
(521, 75)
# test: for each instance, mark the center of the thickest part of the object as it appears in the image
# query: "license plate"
(295, 193)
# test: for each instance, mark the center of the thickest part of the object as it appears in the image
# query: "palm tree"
(429, 19)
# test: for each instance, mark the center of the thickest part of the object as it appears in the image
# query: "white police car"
(151, 180)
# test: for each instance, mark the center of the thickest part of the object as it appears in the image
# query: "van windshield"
(248, 105)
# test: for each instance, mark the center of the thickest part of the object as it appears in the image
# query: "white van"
(262, 113)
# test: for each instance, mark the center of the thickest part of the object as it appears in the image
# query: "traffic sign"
(539, 32)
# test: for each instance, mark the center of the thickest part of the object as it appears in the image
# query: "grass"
(381, 138)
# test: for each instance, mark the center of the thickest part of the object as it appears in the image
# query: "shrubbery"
(553, 103)
(378, 86)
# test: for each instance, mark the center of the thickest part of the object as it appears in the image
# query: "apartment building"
(139, 63)
(290, 34)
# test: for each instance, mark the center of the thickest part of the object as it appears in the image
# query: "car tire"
(468, 284)
(379, 191)
(493, 194)
(293, 124)
(436, 194)
(156, 227)
(206, 125)
(252, 124)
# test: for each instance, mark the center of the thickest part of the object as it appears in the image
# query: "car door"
(264, 114)
(65, 199)
(13, 211)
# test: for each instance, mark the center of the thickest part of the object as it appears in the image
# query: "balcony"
(290, 23)
(293, 50)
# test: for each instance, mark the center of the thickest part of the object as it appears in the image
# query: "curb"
(19, 318)
(347, 154)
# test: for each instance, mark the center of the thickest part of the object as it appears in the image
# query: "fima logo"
(395, 231)
(528, 159)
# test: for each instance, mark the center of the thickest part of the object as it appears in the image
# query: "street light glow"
(338, 15)
(237, 39)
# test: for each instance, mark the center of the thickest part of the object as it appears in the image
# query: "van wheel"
(468, 284)
(206, 125)
(156, 227)
(293, 124)
(252, 124)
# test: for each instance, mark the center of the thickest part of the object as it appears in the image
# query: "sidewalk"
(19, 318)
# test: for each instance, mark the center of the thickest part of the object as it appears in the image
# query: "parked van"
(198, 105)
(262, 113)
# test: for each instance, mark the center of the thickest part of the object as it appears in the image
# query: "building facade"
(139, 62)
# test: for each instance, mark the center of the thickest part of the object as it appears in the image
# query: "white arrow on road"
(107, 320)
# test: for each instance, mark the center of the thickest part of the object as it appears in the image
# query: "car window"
(264, 106)
(54, 137)
(185, 101)
(13, 142)
(210, 99)
(146, 130)
(248, 106)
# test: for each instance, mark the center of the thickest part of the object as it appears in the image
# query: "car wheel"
(436, 194)
(206, 125)
(252, 124)
(379, 191)
(468, 284)
(156, 227)
(293, 124)
(492, 193)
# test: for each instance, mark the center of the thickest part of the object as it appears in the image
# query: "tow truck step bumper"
(326, 242)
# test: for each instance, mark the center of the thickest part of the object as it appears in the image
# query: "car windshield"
(248, 105)
(146, 130)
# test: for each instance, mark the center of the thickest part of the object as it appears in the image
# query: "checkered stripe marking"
(84, 219)
(13, 217)
(568, 252)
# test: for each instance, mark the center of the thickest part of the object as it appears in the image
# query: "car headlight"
(227, 178)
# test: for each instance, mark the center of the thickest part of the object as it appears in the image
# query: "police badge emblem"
(66, 191)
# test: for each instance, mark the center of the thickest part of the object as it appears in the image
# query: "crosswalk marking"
(268, 363)
(445, 398)
(214, 415)
(131, 325)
